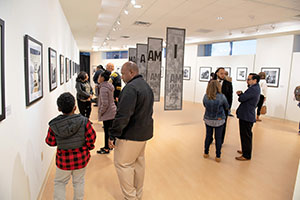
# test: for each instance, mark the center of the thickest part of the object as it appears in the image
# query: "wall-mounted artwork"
(67, 69)
(272, 76)
(228, 69)
(187, 73)
(241, 73)
(2, 77)
(204, 73)
(61, 64)
(70, 69)
(33, 69)
(52, 69)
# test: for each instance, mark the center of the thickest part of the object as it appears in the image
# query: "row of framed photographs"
(2, 77)
(272, 74)
(34, 69)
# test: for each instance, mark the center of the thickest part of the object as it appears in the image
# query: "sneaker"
(104, 151)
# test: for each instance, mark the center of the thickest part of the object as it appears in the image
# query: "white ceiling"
(237, 19)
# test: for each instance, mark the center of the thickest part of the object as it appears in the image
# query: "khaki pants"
(130, 166)
(62, 178)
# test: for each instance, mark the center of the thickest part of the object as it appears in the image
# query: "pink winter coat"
(106, 106)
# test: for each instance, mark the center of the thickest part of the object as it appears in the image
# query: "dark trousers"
(107, 124)
(209, 139)
(84, 108)
(224, 128)
(260, 103)
(246, 137)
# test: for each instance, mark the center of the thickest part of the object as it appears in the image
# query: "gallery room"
(171, 50)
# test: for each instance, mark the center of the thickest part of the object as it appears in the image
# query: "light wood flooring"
(176, 169)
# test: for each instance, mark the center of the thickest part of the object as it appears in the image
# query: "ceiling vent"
(297, 17)
(202, 30)
(140, 23)
(125, 36)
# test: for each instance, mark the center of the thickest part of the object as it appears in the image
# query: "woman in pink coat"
(106, 107)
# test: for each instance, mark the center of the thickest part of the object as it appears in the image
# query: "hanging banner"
(132, 54)
(141, 59)
(174, 68)
(154, 65)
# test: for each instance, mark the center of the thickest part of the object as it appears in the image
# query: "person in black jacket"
(227, 91)
(246, 115)
(84, 94)
(115, 79)
(99, 71)
(132, 127)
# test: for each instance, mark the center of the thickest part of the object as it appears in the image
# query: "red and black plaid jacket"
(72, 159)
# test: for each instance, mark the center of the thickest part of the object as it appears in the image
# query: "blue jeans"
(218, 138)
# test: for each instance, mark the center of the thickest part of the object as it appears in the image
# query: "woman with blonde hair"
(215, 104)
(263, 93)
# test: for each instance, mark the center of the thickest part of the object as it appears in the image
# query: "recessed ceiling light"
(137, 6)
(126, 12)
(118, 22)
(219, 18)
(107, 38)
(114, 29)
(133, 2)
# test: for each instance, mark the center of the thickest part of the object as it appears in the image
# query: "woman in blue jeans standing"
(215, 104)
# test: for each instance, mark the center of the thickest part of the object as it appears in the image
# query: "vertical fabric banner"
(141, 59)
(154, 65)
(132, 54)
(174, 68)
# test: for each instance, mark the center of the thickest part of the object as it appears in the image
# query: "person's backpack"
(297, 93)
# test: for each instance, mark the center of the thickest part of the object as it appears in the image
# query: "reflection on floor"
(176, 169)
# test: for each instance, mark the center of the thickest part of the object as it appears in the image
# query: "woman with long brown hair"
(215, 104)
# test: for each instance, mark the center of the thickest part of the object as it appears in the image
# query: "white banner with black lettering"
(174, 68)
(132, 54)
(154, 65)
(141, 59)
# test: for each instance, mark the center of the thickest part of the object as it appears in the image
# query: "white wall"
(292, 110)
(225, 61)
(276, 52)
(25, 158)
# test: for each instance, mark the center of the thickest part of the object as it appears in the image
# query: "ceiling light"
(126, 12)
(219, 18)
(118, 22)
(273, 26)
(107, 38)
(133, 2)
(137, 6)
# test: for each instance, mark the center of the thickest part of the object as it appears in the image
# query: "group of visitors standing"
(217, 102)
(128, 124)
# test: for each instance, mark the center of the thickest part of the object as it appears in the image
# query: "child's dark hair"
(105, 75)
(66, 102)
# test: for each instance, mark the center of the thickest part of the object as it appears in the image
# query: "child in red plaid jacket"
(74, 137)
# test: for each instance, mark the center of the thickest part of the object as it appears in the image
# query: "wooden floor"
(176, 169)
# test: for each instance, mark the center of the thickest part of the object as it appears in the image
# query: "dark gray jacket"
(81, 88)
(69, 130)
(134, 120)
(249, 100)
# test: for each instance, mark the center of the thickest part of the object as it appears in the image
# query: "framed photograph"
(33, 69)
(187, 73)
(70, 69)
(272, 76)
(62, 64)
(2, 77)
(67, 69)
(52, 69)
(241, 73)
(204, 73)
(73, 67)
(228, 69)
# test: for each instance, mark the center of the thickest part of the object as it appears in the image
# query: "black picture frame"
(2, 70)
(186, 73)
(61, 69)
(272, 76)
(241, 73)
(204, 74)
(67, 69)
(70, 69)
(33, 60)
(73, 67)
(52, 62)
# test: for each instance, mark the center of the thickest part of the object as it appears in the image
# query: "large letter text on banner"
(141, 59)
(132, 54)
(174, 68)
(154, 65)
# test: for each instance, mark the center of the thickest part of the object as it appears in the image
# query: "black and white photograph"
(272, 76)
(228, 69)
(67, 63)
(204, 73)
(33, 69)
(52, 69)
(187, 73)
(61, 64)
(70, 69)
(2, 81)
(241, 73)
